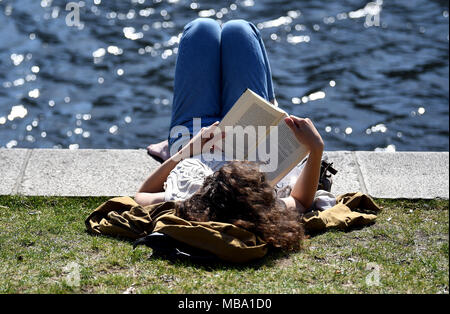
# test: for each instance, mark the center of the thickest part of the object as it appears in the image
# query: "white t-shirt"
(188, 176)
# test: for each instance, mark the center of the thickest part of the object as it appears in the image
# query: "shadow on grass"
(313, 234)
(269, 260)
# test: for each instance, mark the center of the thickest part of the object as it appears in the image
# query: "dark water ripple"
(367, 88)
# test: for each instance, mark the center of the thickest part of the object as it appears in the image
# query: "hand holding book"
(203, 140)
(305, 132)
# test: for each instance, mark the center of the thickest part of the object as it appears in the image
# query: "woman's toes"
(159, 150)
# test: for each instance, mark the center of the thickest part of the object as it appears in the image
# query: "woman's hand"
(306, 133)
(198, 143)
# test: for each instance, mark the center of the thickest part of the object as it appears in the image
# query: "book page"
(249, 110)
(290, 153)
(253, 111)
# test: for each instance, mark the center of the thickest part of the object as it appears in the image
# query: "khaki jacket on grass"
(122, 216)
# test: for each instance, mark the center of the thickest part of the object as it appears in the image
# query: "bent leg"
(197, 75)
(244, 63)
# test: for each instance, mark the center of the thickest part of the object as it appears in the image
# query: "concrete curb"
(102, 172)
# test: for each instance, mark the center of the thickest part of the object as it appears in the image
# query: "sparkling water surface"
(371, 75)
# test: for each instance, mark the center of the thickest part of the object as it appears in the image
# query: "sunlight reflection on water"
(371, 76)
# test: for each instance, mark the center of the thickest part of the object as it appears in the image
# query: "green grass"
(41, 236)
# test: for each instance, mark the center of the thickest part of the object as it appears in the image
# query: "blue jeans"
(214, 67)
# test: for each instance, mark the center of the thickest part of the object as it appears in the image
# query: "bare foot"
(159, 151)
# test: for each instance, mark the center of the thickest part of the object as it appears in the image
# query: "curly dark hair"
(239, 194)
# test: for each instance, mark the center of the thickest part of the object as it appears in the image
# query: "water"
(369, 79)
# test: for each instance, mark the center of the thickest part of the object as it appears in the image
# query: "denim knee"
(235, 29)
(204, 27)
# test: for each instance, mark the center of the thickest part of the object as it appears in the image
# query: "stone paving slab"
(85, 172)
(405, 174)
(11, 164)
(347, 178)
(100, 172)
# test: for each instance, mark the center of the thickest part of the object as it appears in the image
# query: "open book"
(253, 110)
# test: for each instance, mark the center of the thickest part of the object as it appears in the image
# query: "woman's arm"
(152, 190)
(155, 181)
(145, 199)
(304, 190)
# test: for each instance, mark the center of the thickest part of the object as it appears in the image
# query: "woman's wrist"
(317, 149)
(176, 158)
